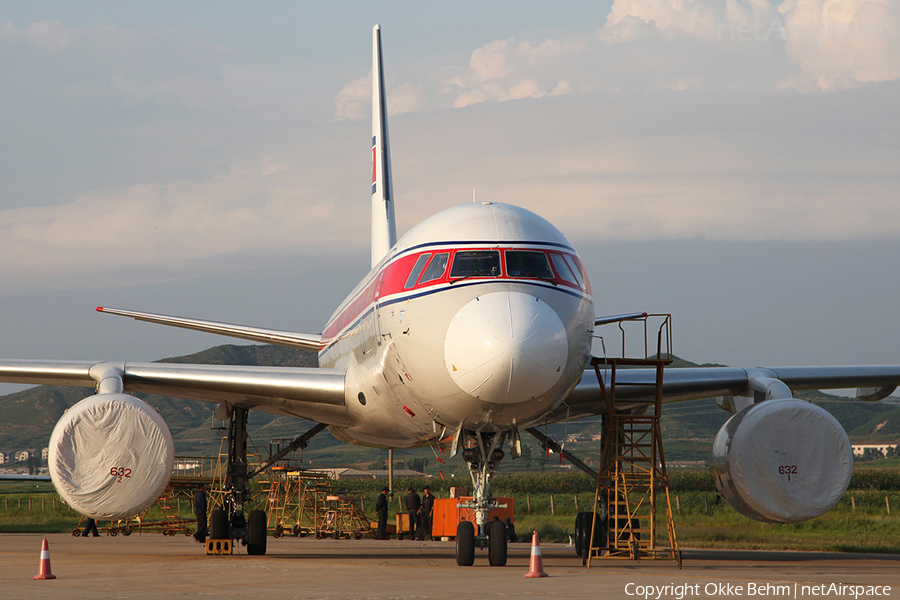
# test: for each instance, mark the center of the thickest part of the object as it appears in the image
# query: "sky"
(734, 163)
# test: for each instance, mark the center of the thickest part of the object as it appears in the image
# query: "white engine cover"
(782, 461)
(111, 456)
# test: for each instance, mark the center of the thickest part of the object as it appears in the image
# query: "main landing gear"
(482, 454)
(230, 523)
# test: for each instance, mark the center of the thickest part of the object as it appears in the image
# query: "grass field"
(700, 523)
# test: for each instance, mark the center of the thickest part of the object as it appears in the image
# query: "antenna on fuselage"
(384, 231)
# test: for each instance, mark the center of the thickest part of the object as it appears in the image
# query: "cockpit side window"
(417, 270)
(528, 263)
(575, 270)
(563, 269)
(476, 263)
(436, 268)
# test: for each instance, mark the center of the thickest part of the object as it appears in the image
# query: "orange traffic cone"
(537, 563)
(45, 563)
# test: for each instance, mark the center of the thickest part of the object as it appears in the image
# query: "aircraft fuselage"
(480, 317)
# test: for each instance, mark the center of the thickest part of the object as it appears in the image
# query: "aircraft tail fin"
(384, 231)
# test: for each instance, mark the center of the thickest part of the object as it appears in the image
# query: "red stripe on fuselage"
(392, 278)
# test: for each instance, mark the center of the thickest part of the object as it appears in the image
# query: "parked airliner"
(472, 327)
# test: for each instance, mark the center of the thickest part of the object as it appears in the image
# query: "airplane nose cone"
(506, 347)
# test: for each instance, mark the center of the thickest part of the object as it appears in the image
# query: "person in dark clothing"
(90, 526)
(510, 530)
(381, 510)
(413, 504)
(200, 513)
(427, 514)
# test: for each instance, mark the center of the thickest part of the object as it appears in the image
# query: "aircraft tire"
(218, 525)
(465, 544)
(497, 544)
(256, 532)
(580, 535)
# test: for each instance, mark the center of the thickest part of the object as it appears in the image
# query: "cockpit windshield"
(476, 263)
(528, 263)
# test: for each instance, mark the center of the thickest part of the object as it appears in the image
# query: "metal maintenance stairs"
(632, 478)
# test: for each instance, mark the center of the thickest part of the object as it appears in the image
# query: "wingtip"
(99, 309)
(376, 28)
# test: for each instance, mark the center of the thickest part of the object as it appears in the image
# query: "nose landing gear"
(482, 459)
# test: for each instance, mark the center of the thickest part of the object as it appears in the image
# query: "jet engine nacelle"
(111, 456)
(782, 461)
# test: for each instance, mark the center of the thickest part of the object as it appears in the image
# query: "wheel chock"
(218, 547)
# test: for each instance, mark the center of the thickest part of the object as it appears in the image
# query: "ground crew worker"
(413, 504)
(200, 513)
(510, 530)
(381, 509)
(427, 514)
(89, 527)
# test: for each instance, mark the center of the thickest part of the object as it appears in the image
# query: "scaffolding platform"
(296, 501)
(633, 468)
(343, 518)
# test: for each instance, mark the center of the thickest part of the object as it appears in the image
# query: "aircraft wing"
(306, 393)
(16, 477)
(873, 383)
(255, 334)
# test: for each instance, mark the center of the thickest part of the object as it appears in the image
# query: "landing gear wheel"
(279, 531)
(465, 544)
(297, 531)
(218, 525)
(497, 544)
(580, 535)
(256, 542)
(601, 536)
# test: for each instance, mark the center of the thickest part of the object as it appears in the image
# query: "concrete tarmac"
(155, 566)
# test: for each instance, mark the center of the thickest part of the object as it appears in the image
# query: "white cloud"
(693, 17)
(508, 70)
(832, 44)
(842, 43)
(45, 35)
(274, 205)
(499, 71)
(492, 60)
(406, 98)
(354, 101)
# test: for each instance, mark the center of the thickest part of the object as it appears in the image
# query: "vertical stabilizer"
(384, 231)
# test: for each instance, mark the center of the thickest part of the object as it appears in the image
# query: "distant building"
(45, 453)
(858, 449)
(23, 455)
(347, 473)
(5, 457)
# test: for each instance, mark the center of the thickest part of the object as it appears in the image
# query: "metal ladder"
(633, 466)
